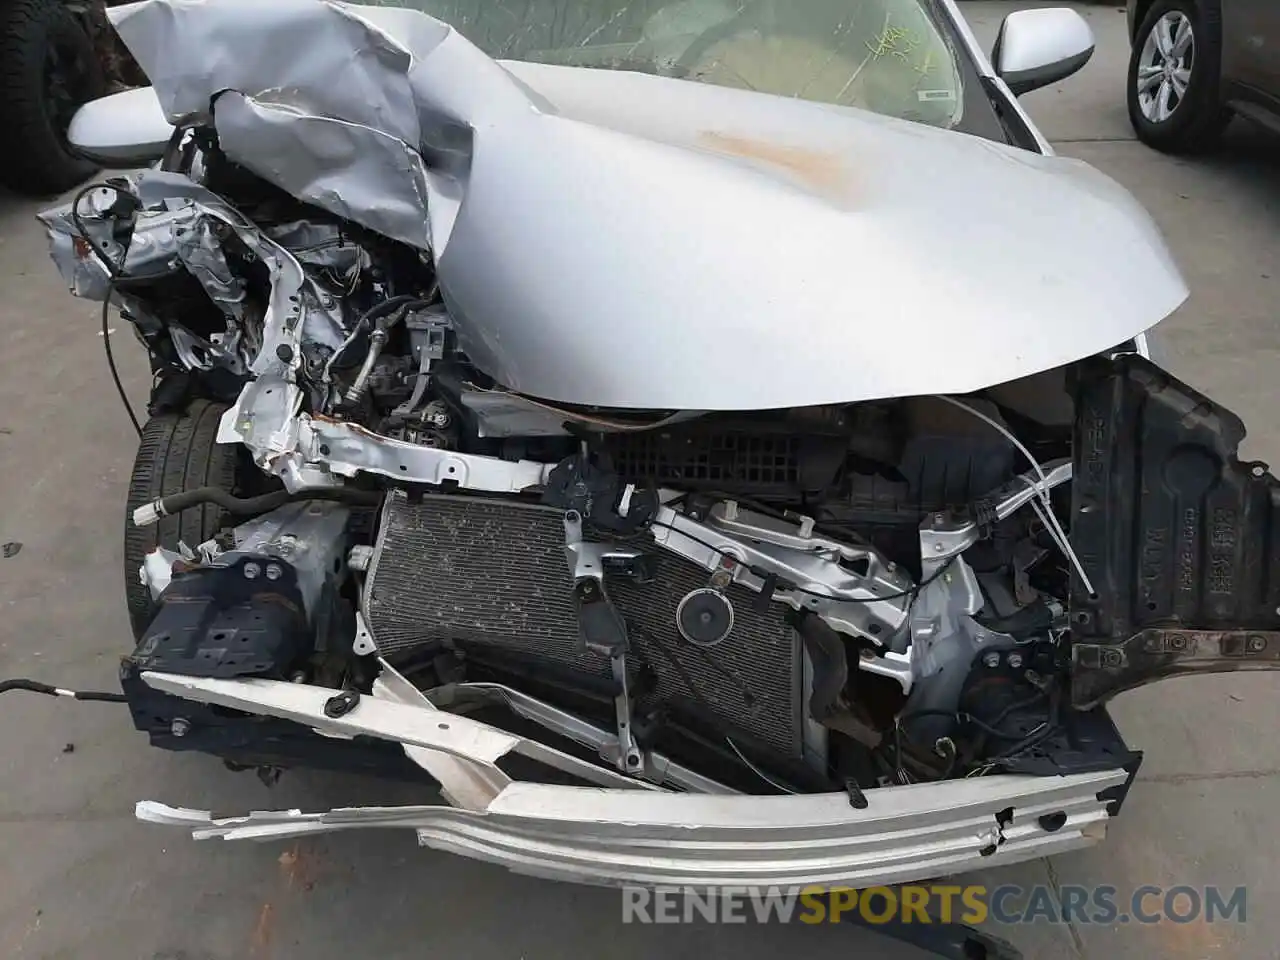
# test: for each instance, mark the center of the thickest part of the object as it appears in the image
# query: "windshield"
(882, 55)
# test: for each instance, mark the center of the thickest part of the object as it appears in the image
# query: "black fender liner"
(1180, 538)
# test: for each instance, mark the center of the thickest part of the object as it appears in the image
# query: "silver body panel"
(777, 252)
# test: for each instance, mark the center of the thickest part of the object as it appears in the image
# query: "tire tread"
(35, 161)
(178, 451)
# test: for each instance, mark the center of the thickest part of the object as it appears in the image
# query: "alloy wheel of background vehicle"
(178, 451)
(48, 68)
(1174, 72)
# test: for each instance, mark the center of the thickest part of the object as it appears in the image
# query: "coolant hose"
(149, 513)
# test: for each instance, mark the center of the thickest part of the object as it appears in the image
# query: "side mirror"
(1038, 47)
(123, 130)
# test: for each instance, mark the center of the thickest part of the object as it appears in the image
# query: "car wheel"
(1174, 76)
(178, 451)
(48, 68)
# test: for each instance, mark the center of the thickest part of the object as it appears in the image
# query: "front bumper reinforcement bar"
(655, 837)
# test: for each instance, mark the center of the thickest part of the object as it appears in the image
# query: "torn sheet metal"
(472, 786)
(322, 245)
(278, 824)
(178, 224)
(622, 240)
(156, 572)
(380, 183)
(199, 248)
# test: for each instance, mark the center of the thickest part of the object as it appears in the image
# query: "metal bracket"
(427, 329)
(851, 587)
(629, 758)
(363, 644)
(602, 627)
(589, 560)
(944, 536)
(657, 767)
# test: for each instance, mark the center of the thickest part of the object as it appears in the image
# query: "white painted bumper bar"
(616, 836)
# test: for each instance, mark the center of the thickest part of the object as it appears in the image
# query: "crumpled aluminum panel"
(614, 239)
(493, 571)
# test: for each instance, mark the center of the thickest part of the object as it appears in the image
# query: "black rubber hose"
(1051, 726)
(33, 686)
(247, 506)
(390, 305)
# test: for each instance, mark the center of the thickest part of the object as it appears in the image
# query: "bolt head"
(274, 571)
(180, 727)
(1015, 660)
(252, 571)
(991, 659)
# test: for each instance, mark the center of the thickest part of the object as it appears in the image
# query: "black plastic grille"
(732, 460)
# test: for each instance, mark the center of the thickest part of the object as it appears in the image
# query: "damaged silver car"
(715, 441)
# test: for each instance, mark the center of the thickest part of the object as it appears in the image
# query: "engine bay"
(775, 601)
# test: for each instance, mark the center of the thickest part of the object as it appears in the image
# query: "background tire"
(177, 452)
(48, 68)
(1198, 116)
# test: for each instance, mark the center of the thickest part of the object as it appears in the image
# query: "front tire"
(48, 69)
(178, 451)
(1175, 69)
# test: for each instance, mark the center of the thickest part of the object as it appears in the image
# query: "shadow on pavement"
(8, 201)
(1249, 155)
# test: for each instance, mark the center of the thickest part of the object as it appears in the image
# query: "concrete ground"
(79, 878)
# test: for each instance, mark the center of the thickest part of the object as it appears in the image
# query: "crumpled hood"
(626, 240)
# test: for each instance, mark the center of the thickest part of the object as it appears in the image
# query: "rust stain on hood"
(819, 171)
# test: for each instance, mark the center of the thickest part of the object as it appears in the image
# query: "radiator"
(492, 571)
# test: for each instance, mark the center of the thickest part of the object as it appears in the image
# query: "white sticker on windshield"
(930, 95)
